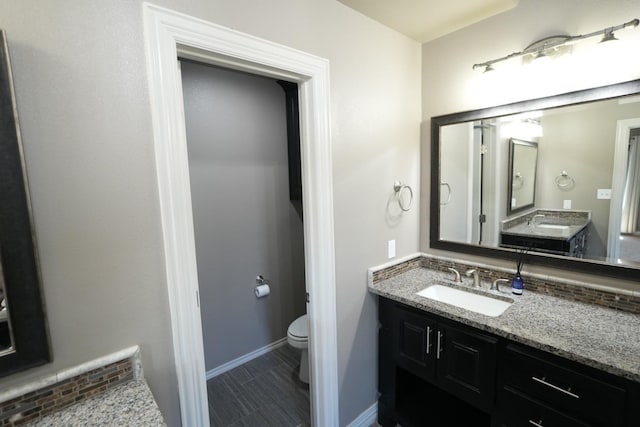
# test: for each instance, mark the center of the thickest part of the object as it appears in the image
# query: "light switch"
(566, 204)
(604, 193)
(391, 248)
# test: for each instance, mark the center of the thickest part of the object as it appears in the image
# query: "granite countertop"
(599, 337)
(129, 404)
(565, 233)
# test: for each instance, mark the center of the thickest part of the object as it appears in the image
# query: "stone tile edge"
(132, 353)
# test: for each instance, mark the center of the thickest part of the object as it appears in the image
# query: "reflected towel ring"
(398, 187)
(564, 180)
(518, 181)
(448, 187)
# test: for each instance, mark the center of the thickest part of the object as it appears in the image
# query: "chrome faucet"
(532, 221)
(496, 287)
(476, 277)
(457, 277)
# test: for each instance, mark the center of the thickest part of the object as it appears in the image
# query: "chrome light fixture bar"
(555, 45)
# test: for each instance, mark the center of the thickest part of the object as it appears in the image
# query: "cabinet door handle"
(428, 339)
(439, 349)
(537, 424)
(555, 387)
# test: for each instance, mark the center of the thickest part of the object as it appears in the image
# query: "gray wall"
(582, 142)
(450, 85)
(244, 223)
(83, 101)
(564, 148)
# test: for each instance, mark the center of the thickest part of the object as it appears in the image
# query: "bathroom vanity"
(545, 361)
(548, 231)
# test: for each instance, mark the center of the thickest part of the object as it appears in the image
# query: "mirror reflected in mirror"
(6, 338)
(523, 163)
(24, 340)
(557, 176)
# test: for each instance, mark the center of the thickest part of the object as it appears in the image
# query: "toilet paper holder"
(262, 287)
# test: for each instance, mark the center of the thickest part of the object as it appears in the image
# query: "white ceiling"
(425, 20)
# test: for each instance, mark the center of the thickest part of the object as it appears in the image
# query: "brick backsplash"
(559, 289)
(36, 404)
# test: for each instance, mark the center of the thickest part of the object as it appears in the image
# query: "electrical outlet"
(391, 248)
(566, 204)
(604, 193)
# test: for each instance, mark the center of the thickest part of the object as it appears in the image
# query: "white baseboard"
(367, 418)
(246, 358)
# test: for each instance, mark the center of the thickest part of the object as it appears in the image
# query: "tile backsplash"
(23, 406)
(560, 288)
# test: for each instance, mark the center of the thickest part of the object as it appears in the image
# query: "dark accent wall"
(245, 224)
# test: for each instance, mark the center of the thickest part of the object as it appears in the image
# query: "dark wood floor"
(263, 392)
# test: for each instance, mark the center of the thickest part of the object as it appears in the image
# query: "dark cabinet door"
(386, 365)
(414, 347)
(466, 364)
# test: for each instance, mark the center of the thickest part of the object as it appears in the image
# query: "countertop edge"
(494, 326)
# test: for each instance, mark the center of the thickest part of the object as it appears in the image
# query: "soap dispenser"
(517, 284)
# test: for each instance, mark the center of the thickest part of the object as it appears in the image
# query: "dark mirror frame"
(17, 243)
(513, 142)
(571, 98)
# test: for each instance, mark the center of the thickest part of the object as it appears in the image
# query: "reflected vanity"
(505, 177)
(23, 334)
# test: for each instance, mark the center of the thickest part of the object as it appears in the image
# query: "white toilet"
(298, 337)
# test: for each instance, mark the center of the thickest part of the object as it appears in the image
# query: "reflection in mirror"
(523, 162)
(565, 169)
(6, 339)
(24, 341)
(630, 221)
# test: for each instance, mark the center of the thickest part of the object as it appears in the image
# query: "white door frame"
(620, 160)
(169, 34)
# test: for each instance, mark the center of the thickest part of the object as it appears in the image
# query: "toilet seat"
(299, 329)
(298, 338)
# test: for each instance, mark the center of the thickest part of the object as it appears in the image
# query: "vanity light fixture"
(550, 47)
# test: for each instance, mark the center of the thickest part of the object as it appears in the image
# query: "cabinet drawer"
(563, 388)
(518, 410)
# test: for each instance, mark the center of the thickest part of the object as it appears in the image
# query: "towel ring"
(448, 187)
(397, 188)
(518, 181)
(564, 180)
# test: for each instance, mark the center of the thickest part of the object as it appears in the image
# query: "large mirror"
(23, 334)
(557, 176)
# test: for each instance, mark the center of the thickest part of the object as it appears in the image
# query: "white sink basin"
(553, 226)
(469, 301)
(554, 229)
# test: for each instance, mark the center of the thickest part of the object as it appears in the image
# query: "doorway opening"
(248, 230)
(169, 35)
(623, 242)
(630, 229)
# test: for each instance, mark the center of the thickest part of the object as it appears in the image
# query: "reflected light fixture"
(550, 47)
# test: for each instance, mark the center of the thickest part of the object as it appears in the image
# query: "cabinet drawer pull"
(537, 424)
(428, 339)
(439, 349)
(555, 387)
